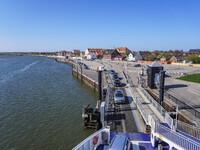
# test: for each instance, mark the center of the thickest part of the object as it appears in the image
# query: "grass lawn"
(192, 78)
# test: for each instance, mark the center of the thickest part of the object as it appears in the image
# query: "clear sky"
(54, 25)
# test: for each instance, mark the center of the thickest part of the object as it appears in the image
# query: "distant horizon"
(55, 25)
(84, 50)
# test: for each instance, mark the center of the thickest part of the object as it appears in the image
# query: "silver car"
(120, 142)
(119, 96)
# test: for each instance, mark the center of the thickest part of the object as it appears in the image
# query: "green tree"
(194, 58)
(151, 58)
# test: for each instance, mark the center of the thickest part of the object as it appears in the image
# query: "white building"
(91, 55)
(130, 57)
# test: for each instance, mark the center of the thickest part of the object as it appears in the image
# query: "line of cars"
(118, 95)
(116, 79)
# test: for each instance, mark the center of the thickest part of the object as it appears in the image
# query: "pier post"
(161, 86)
(99, 87)
(77, 71)
(81, 73)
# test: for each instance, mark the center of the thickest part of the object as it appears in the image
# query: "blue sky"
(54, 25)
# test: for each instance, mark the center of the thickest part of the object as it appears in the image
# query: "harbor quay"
(141, 111)
(177, 91)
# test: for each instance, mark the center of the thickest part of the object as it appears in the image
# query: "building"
(163, 59)
(194, 50)
(110, 54)
(124, 51)
(119, 58)
(173, 59)
(130, 57)
(91, 55)
(82, 54)
(99, 52)
(137, 57)
(64, 53)
(76, 53)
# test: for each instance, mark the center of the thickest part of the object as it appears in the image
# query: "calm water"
(40, 104)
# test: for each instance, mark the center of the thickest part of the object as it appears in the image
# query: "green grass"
(192, 78)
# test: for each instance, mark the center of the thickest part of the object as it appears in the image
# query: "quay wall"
(92, 83)
(85, 79)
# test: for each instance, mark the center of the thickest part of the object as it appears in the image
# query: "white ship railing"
(87, 144)
(175, 138)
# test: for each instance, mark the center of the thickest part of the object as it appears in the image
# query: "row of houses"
(116, 54)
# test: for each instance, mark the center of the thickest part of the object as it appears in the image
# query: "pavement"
(187, 92)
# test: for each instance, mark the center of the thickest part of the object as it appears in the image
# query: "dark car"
(117, 82)
(85, 66)
(115, 77)
(137, 65)
(112, 71)
(115, 73)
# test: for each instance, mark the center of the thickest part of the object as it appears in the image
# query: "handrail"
(158, 107)
(87, 140)
(106, 106)
(177, 138)
(188, 129)
(192, 110)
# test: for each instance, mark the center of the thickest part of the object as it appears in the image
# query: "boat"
(162, 137)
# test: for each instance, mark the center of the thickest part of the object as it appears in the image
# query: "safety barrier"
(169, 135)
(142, 111)
(90, 144)
(189, 129)
(182, 104)
(158, 107)
(106, 106)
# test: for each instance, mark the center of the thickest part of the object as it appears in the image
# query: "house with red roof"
(110, 54)
(124, 51)
(98, 51)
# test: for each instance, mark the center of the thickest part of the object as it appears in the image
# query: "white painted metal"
(87, 144)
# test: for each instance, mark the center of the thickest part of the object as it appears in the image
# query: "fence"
(143, 111)
(87, 144)
(189, 129)
(183, 105)
(106, 106)
(158, 107)
(175, 137)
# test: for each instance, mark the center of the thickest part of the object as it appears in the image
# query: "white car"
(119, 96)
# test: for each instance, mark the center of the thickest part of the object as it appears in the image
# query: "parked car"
(85, 66)
(112, 71)
(115, 77)
(137, 65)
(117, 82)
(120, 142)
(119, 96)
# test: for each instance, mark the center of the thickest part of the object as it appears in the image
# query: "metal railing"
(177, 138)
(188, 129)
(106, 106)
(158, 107)
(182, 104)
(139, 105)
